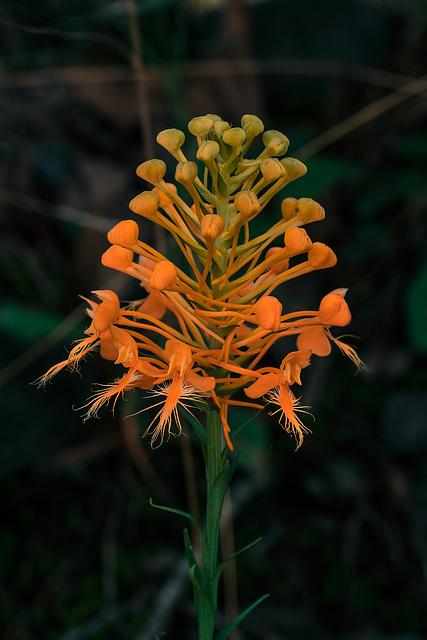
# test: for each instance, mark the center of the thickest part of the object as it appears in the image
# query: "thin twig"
(361, 117)
(208, 68)
(140, 80)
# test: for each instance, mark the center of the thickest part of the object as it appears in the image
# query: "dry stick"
(140, 76)
(230, 572)
(377, 108)
(213, 68)
(88, 36)
(57, 212)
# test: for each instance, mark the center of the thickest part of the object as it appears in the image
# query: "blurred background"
(85, 86)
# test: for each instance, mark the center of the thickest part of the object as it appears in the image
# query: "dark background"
(84, 89)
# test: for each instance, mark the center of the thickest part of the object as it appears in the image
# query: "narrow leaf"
(177, 512)
(224, 633)
(191, 558)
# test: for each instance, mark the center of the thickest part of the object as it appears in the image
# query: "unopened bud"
(200, 126)
(268, 313)
(164, 276)
(117, 258)
(186, 172)
(271, 169)
(220, 127)
(235, 136)
(125, 234)
(309, 210)
(281, 265)
(145, 204)
(294, 168)
(276, 142)
(252, 123)
(297, 240)
(289, 208)
(207, 151)
(334, 311)
(211, 226)
(171, 139)
(321, 256)
(152, 170)
(214, 117)
(247, 203)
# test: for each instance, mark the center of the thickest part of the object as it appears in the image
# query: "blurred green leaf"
(324, 171)
(416, 309)
(25, 324)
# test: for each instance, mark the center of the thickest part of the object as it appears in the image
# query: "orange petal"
(200, 382)
(263, 385)
(315, 339)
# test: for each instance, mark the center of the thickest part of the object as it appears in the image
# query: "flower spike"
(206, 323)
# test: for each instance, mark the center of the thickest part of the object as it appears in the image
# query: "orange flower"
(178, 384)
(275, 386)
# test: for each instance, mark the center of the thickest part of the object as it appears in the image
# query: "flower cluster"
(202, 330)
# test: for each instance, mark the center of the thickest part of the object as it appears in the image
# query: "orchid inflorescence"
(201, 332)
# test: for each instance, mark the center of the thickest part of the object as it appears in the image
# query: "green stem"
(215, 497)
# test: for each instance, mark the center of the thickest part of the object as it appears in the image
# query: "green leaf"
(205, 614)
(224, 633)
(416, 309)
(324, 171)
(177, 512)
(192, 562)
(26, 324)
(223, 564)
(222, 186)
(198, 428)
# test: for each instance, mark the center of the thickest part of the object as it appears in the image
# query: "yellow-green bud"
(146, 204)
(200, 126)
(171, 139)
(152, 170)
(252, 129)
(234, 137)
(306, 209)
(220, 127)
(247, 203)
(207, 151)
(211, 226)
(249, 119)
(276, 142)
(271, 169)
(186, 172)
(214, 117)
(294, 168)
